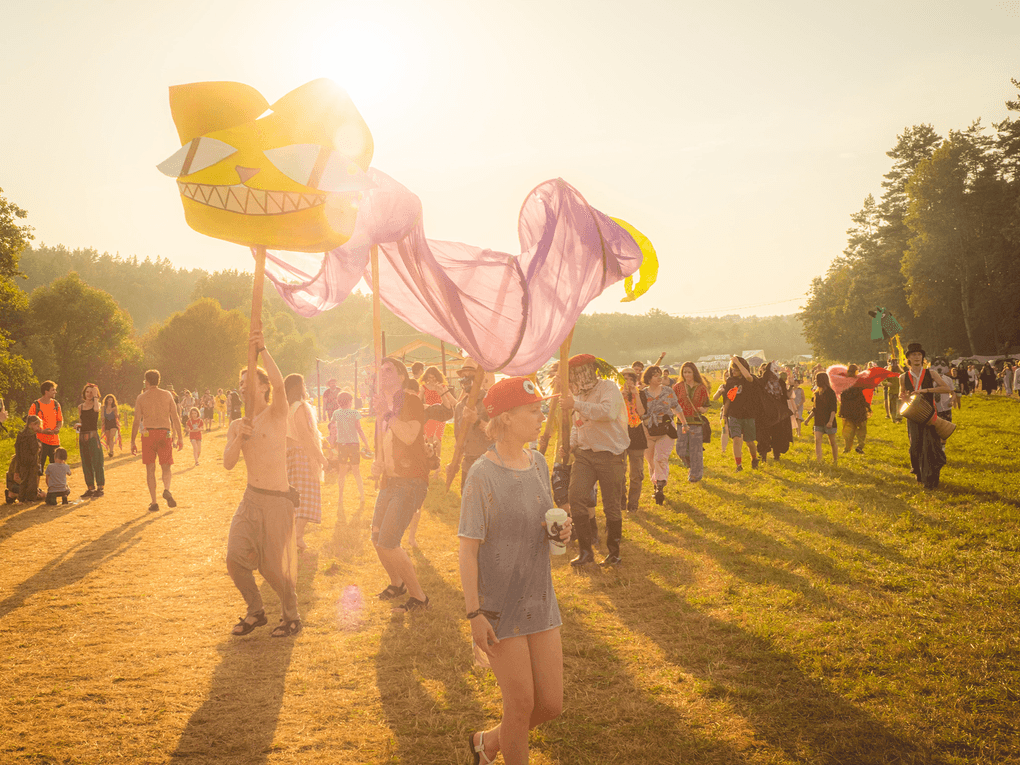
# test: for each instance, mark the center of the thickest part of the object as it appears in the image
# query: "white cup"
(555, 517)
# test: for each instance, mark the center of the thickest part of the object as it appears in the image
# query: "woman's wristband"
(482, 612)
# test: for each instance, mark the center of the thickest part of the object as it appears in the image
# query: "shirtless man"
(158, 410)
(262, 531)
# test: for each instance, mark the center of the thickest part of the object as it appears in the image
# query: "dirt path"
(114, 624)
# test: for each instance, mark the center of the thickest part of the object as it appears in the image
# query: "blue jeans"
(689, 447)
(395, 505)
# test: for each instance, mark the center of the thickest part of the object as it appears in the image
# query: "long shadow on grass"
(422, 676)
(761, 683)
(20, 519)
(608, 716)
(739, 554)
(79, 560)
(237, 721)
(813, 522)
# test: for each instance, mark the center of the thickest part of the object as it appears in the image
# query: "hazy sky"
(739, 137)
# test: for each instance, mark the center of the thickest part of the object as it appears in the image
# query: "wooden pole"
(379, 339)
(454, 466)
(318, 388)
(564, 376)
(382, 334)
(442, 351)
(251, 384)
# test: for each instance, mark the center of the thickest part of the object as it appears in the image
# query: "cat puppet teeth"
(248, 201)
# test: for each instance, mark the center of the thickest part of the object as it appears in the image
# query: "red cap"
(580, 360)
(510, 393)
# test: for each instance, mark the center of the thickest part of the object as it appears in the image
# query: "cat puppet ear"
(200, 108)
(321, 112)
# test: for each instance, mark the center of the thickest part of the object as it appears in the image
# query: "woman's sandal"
(286, 629)
(392, 591)
(478, 752)
(246, 626)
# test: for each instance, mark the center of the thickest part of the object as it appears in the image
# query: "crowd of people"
(620, 421)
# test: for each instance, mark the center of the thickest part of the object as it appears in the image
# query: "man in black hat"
(926, 455)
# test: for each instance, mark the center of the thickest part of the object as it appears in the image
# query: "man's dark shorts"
(395, 506)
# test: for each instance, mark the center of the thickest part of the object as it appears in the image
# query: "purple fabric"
(509, 313)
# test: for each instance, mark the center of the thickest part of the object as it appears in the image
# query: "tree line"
(940, 248)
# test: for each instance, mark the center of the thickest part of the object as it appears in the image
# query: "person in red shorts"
(156, 409)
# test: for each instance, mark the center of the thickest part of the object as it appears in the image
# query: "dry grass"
(798, 614)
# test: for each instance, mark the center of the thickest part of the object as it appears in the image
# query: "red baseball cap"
(510, 393)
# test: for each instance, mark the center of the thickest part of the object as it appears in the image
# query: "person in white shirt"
(599, 439)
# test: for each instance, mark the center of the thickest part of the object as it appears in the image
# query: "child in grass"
(824, 414)
(506, 572)
(195, 424)
(56, 478)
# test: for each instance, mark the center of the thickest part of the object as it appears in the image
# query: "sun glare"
(366, 58)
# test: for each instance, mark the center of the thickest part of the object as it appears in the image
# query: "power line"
(738, 308)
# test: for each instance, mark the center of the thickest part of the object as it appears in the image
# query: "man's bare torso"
(155, 407)
(265, 451)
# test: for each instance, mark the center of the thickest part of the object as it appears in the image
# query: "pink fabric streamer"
(868, 379)
(509, 313)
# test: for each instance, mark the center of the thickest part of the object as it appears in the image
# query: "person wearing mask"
(599, 439)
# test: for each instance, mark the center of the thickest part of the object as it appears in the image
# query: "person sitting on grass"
(23, 472)
(262, 530)
(506, 573)
(824, 415)
(56, 478)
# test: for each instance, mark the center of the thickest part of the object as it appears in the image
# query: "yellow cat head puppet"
(289, 180)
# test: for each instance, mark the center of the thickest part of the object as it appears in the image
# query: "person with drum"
(918, 386)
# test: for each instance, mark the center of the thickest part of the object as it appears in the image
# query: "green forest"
(940, 248)
(77, 316)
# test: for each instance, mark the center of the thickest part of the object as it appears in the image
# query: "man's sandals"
(243, 627)
(286, 629)
(392, 591)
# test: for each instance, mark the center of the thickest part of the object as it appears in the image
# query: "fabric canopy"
(510, 313)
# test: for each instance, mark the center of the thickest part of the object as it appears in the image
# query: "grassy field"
(793, 614)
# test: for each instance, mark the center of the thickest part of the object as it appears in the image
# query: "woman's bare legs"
(527, 702)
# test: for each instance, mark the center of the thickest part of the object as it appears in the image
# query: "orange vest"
(51, 418)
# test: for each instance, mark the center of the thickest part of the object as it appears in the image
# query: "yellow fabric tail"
(649, 269)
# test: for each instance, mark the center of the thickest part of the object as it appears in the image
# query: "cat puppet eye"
(319, 167)
(195, 155)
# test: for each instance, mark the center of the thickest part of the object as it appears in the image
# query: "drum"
(944, 428)
(918, 410)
